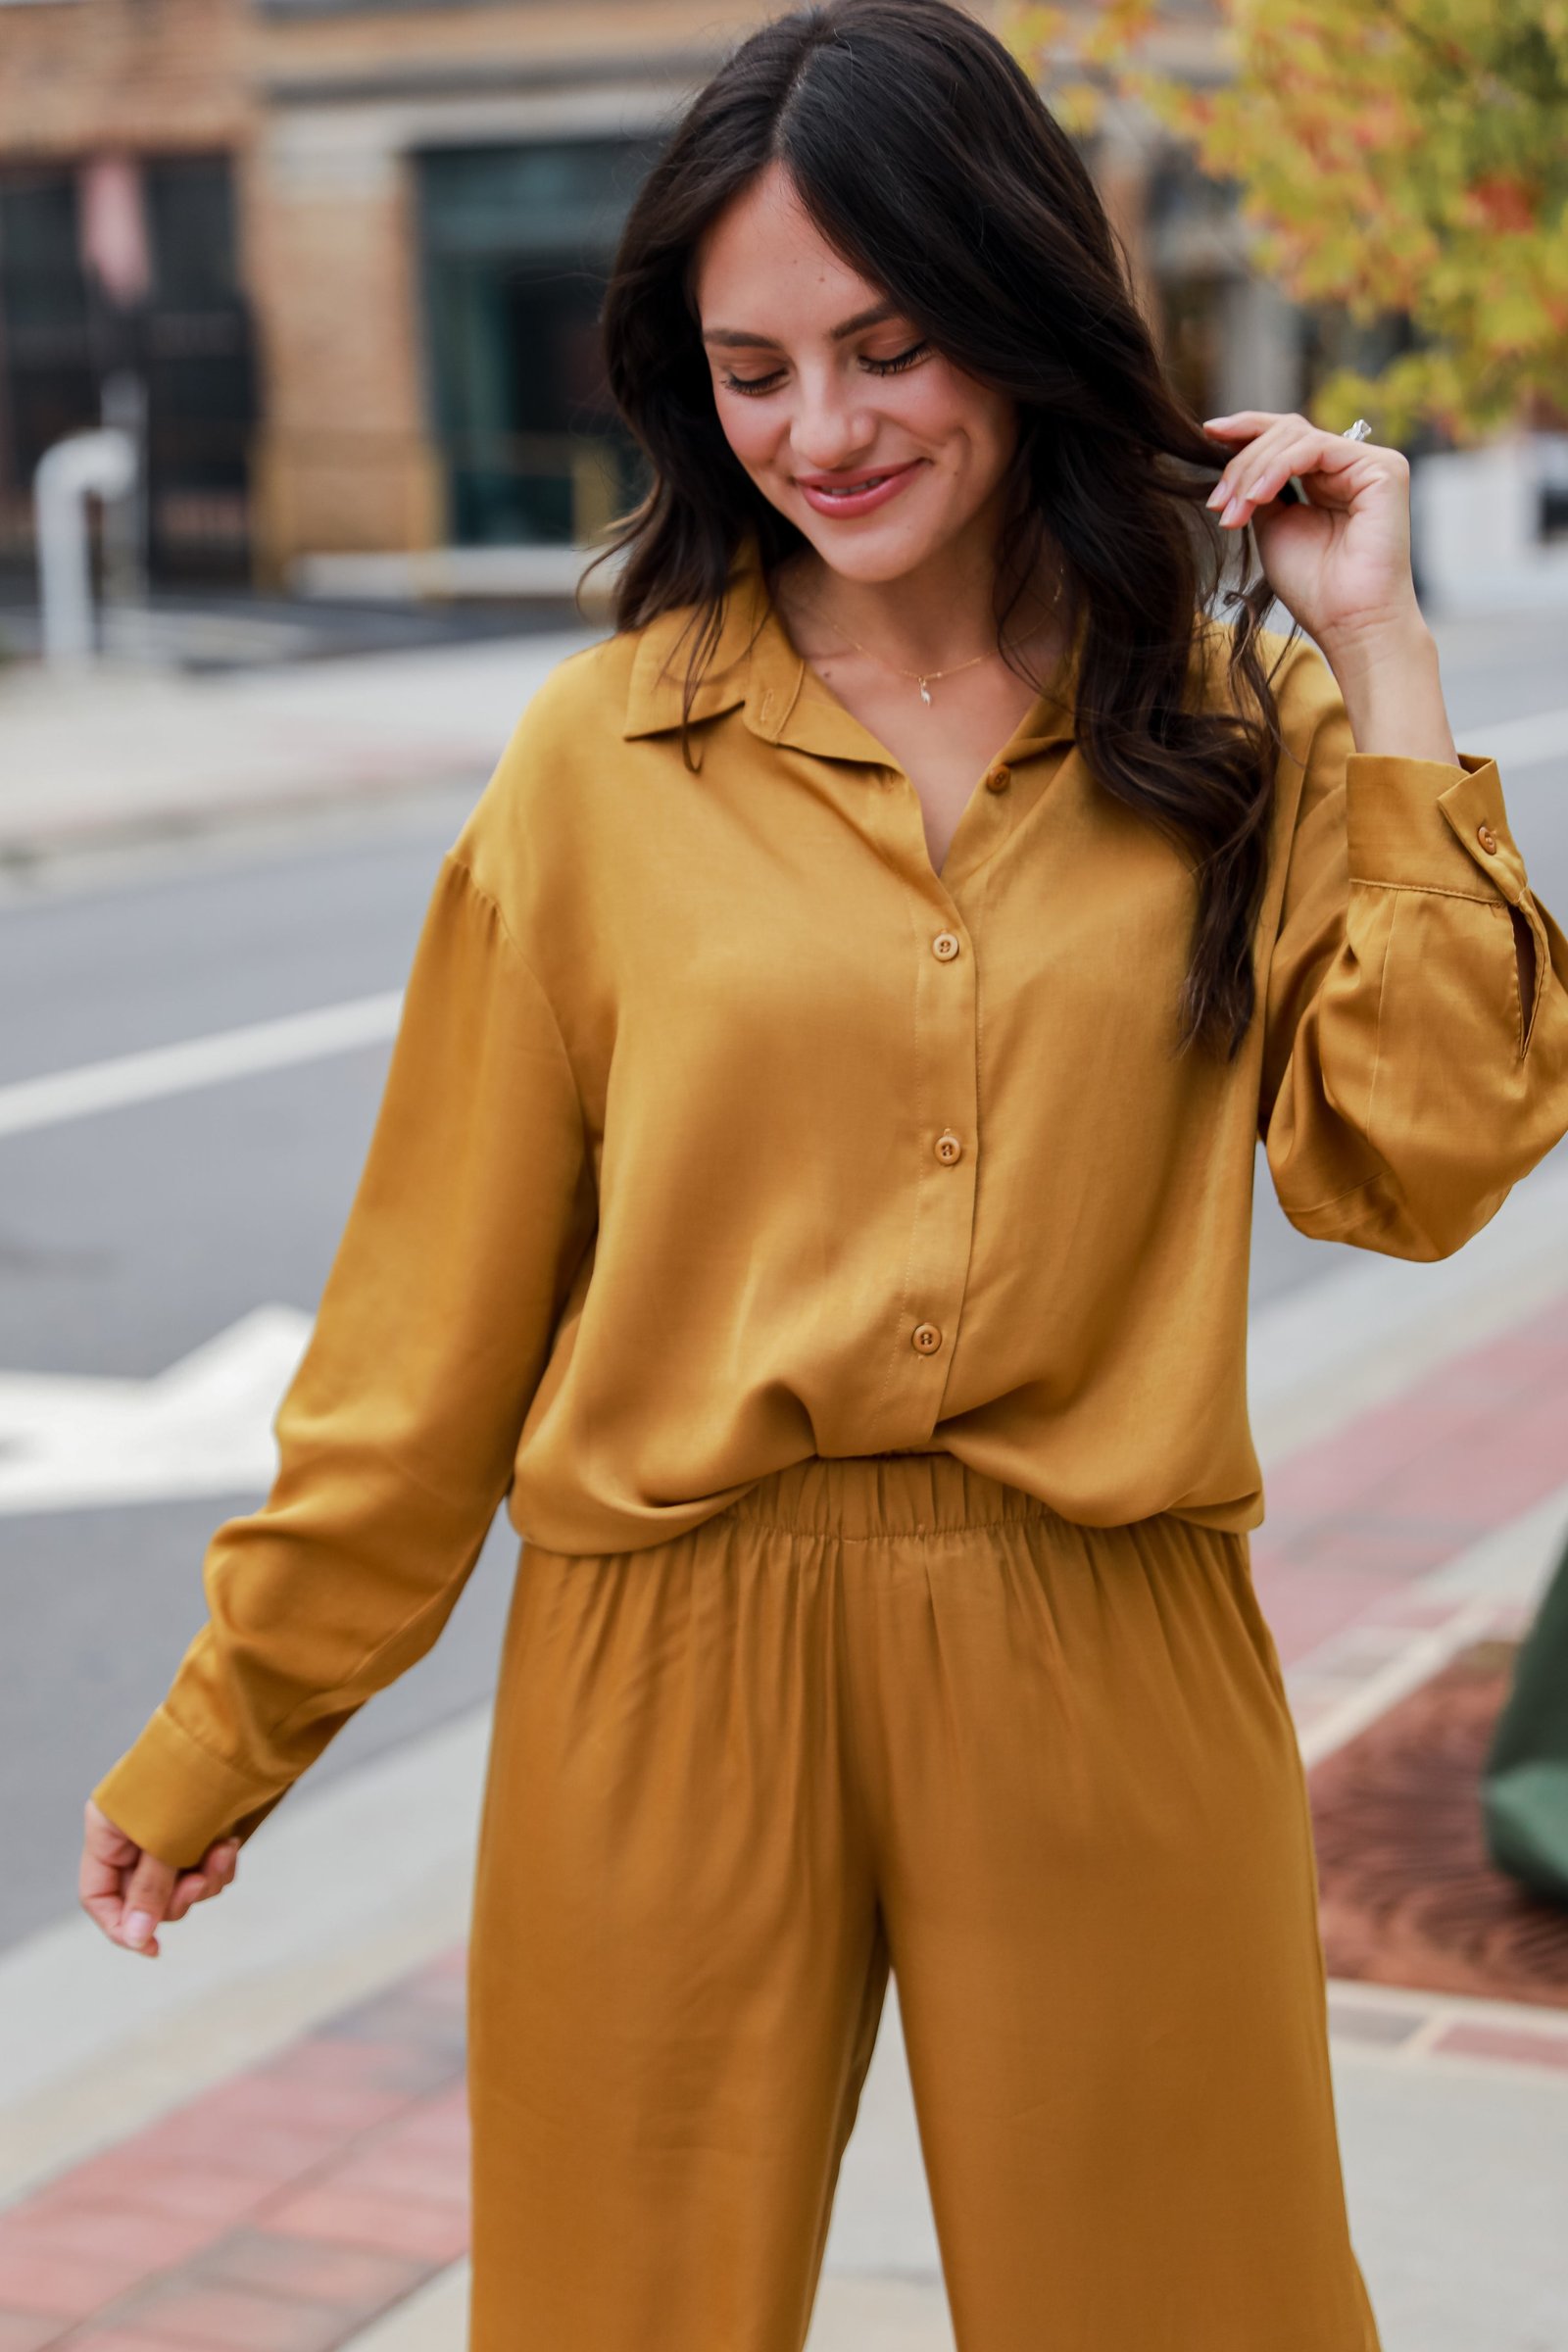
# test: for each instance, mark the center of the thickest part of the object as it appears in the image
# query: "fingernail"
(139, 1926)
(1233, 509)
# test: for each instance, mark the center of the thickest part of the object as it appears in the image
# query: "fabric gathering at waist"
(909, 1491)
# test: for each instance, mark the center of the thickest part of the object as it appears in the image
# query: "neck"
(925, 620)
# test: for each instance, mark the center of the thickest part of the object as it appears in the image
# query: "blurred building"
(351, 251)
(124, 126)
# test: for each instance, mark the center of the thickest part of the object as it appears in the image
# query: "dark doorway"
(516, 245)
(185, 338)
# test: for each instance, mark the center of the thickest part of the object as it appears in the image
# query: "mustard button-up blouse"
(721, 1130)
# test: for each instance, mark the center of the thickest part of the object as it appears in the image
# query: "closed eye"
(766, 383)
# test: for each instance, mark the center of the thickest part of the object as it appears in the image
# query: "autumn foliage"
(1391, 156)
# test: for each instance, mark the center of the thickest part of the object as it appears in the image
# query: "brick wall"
(84, 74)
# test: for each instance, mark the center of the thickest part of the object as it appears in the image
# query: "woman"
(812, 1185)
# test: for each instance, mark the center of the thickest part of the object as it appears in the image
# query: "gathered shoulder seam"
(460, 866)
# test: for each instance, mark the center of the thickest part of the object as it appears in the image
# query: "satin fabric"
(893, 1713)
(721, 1132)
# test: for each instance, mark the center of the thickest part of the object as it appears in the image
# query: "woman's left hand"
(1340, 563)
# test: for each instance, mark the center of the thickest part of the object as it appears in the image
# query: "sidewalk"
(258, 2145)
(121, 754)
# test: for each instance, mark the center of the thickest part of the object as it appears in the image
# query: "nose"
(832, 424)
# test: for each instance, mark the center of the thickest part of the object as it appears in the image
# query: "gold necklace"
(925, 676)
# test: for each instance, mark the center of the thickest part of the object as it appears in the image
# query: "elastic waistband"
(904, 1493)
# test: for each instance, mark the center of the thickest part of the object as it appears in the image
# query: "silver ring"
(1360, 430)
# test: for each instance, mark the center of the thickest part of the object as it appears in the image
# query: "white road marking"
(203, 1426)
(32, 1103)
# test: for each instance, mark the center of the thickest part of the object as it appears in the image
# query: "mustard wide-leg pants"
(885, 1710)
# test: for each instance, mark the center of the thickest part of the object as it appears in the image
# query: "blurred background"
(304, 445)
(336, 265)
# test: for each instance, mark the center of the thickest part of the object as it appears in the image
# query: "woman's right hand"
(128, 1891)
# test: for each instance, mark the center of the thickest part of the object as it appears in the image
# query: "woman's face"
(816, 375)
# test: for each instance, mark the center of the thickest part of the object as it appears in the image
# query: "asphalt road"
(131, 1236)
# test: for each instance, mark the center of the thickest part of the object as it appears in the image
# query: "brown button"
(950, 1148)
(999, 778)
(926, 1337)
(946, 945)
(1488, 840)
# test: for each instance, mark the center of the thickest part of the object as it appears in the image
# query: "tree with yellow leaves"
(1394, 155)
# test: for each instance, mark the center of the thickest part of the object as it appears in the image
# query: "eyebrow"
(730, 336)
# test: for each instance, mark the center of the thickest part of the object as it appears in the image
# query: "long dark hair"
(924, 155)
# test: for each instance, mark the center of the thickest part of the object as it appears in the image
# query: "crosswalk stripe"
(32, 1103)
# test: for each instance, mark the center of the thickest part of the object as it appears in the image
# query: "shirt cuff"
(1425, 824)
(175, 1799)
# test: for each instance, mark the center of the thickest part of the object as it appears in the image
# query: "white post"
(124, 544)
(97, 465)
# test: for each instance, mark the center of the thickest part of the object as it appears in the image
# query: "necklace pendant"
(925, 692)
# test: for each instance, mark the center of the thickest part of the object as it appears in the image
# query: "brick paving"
(1408, 1893)
(294, 2204)
(281, 2211)
(1355, 1522)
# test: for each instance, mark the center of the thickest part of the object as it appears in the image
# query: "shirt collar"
(755, 665)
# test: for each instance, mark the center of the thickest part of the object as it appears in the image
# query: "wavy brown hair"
(925, 156)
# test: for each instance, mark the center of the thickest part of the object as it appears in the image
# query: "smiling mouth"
(873, 481)
(859, 489)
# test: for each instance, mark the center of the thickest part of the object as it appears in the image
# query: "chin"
(874, 558)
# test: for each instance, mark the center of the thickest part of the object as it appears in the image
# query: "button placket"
(944, 1027)
(946, 1031)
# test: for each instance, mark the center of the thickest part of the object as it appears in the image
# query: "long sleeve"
(1405, 1087)
(396, 1434)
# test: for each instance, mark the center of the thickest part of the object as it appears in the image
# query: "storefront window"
(518, 242)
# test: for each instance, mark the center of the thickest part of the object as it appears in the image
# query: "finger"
(199, 1885)
(101, 1874)
(1244, 427)
(191, 1887)
(103, 1903)
(1258, 479)
(1312, 455)
(221, 1861)
(1262, 450)
(102, 1867)
(146, 1902)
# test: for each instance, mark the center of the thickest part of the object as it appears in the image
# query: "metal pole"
(124, 409)
(100, 464)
